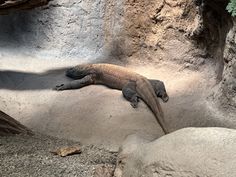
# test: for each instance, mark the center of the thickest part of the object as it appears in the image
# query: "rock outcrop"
(216, 31)
(226, 90)
(126, 30)
(189, 152)
(9, 126)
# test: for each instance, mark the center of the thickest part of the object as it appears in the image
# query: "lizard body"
(133, 85)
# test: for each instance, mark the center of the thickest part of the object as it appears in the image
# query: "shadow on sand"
(18, 80)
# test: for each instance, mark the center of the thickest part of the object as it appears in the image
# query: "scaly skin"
(133, 85)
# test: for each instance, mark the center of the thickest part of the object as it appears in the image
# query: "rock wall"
(213, 25)
(226, 90)
(63, 29)
(216, 31)
(156, 30)
(139, 30)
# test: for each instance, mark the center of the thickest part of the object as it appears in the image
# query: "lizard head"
(161, 91)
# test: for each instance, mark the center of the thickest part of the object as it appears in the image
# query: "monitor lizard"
(133, 85)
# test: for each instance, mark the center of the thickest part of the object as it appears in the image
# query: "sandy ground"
(96, 114)
(30, 156)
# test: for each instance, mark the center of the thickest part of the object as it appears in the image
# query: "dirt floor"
(28, 156)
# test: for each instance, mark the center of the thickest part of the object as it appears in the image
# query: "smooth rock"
(190, 152)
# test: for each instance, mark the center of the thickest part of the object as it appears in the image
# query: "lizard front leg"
(130, 94)
(76, 84)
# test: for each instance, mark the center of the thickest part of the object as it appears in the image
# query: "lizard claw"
(60, 87)
(134, 104)
(134, 101)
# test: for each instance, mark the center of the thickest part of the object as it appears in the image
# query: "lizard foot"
(134, 104)
(60, 87)
(134, 101)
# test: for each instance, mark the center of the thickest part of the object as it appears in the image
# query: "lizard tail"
(147, 93)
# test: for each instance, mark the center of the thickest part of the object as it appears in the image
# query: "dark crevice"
(216, 23)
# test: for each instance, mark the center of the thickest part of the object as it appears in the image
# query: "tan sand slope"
(96, 114)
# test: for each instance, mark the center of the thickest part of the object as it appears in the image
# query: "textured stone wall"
(93, 29)
(66, 28)
(215, 31)
(226, 91)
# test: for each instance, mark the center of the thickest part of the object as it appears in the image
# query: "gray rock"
(226, 92)
(190, 152)
(63, 29)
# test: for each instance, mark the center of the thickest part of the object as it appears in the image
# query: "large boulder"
(190, 152)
